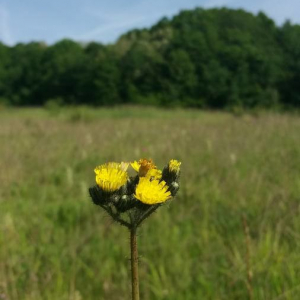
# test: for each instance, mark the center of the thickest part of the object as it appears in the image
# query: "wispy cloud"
(5, 31)
(110, 27)
(117, 21)
(105, 21)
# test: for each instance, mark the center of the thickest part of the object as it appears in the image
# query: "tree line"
(216, 58)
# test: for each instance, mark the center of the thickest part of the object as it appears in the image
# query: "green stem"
(147, 213)
(134, 265)
(115, 217)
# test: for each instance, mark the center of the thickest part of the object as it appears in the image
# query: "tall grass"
(54, 244)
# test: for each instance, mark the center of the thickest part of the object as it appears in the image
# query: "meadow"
(233, 231)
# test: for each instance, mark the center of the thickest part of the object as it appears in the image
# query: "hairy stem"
(148, 213)
(134, 265)
(116, 217)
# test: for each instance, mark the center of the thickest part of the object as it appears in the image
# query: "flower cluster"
(131, 199)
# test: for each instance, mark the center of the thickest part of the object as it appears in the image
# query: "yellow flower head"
(174, 166)
(111, 176)
(146, 168)
(152, 192)
(145, 165)
(154, 174)
(135, 165)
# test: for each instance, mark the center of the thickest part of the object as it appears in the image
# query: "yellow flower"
(111, 176)
(146, 168)
(135, 165)
(152, 192)
(174, 166)
(143, 166)
(154, 174)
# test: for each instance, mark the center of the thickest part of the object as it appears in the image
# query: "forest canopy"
(216, 58)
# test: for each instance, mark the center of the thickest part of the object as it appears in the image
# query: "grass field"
(233, 230)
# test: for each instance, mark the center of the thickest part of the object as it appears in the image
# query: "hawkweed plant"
(129, 200)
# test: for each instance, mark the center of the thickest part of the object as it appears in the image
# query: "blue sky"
(104, 21)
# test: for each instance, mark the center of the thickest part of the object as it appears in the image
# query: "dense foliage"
(215, 58)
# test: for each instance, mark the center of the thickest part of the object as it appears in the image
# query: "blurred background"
(214, 84)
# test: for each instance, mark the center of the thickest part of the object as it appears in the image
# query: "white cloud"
(109, 28)
(117, 21)
(110, 20)
(5, 31)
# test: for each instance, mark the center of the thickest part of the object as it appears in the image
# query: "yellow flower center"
(111, 176)
(152, 192)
